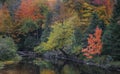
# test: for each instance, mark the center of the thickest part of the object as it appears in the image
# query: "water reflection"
(42, 66)
(47, 71)
(20, 69)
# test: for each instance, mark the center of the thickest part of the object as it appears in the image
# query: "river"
(43, 66)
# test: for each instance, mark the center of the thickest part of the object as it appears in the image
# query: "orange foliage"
(28, 9)
(94, 44)
(5, 20)
(109, 7)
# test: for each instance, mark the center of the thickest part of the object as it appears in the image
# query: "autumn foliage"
(6, 24)
(28, 9)
(104, 9)
(108, 5)
(94, 44)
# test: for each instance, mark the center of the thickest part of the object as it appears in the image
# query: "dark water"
(41, 66)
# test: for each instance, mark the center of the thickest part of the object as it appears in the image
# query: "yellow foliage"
(60, 36)
(86, 13)
(86, 10)
(47, 71)
(102, 14)
(100, 10)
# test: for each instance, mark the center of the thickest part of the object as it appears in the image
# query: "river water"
(42, 66)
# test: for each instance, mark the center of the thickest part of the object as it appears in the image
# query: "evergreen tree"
(47, 28)
(116, 10)
(91, 28)
(111, 41)
(111, 37)
(76, 45)
(78, 36)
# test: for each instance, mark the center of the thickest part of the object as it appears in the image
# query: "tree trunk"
(65, 53)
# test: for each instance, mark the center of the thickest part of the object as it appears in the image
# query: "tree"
(91, 29)
(111, 37)
(29, 18)
(47, 28)
(76, 46)
(109, 7)
(86, 10)
(111, 41)
(59, 14)
(29, 26)
(94, 44)
(60, 37)
(35, 31)
(8, 49)
(116, 10)
(28, 12)
(78, 35)
(6, 23)
(103, 8)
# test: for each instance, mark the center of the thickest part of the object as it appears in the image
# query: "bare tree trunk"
(65, 53)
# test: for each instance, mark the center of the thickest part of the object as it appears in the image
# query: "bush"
(7, 49)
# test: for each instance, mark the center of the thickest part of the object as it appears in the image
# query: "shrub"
(7, 49)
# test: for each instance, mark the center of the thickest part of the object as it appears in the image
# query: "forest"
(75, 31)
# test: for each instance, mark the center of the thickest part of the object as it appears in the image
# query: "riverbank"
(16, 60)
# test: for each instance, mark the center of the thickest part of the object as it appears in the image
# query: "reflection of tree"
(59, 66)
(52, 66)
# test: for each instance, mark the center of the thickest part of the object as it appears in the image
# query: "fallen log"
(28, 54)
(79, 61)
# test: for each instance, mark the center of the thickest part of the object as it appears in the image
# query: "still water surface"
(41, 66)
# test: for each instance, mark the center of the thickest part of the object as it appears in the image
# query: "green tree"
(111, 37)
(116, 10)
(29, 26)
(78, 36)
(111, 41)
(76, 46)
(8, 49)
(47, 28)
